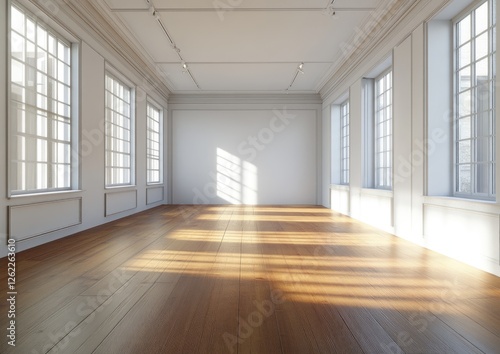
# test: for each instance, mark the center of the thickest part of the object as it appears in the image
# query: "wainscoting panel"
(117, 202)
(462, 234)
(154, 195)
(31, 220)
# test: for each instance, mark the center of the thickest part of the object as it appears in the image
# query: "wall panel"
(31, 220)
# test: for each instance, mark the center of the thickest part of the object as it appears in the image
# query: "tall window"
(474, 102)
(344, 142)
(383, 131)
(41, 121)
(119, 133)
(154, 144)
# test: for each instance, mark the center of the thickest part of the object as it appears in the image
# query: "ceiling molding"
(89, 13)
(401, 13)
(217, 98)
(248, 9)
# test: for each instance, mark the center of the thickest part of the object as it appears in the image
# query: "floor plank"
(247, 279)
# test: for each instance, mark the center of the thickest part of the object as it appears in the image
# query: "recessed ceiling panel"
(239, 4)
(244, 77)
(260, 36)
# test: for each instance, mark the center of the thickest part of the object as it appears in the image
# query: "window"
(383, 131)
(474, 118)
(154, 144)
(42, 124)
(119, 133)
(344, 142)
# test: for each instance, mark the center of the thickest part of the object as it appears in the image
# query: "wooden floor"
(231, 279)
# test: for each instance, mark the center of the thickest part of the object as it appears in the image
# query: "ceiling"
(243, 46)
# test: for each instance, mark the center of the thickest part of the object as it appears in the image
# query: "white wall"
(419, 208)
(38, 219)
(248, 155)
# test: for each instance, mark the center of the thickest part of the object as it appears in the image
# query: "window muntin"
(154, 144)
(344, 142)
(474, 118)
(383, 131)
(119, 133)
(41, 116)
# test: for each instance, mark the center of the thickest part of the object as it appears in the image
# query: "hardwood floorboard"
(247, 279)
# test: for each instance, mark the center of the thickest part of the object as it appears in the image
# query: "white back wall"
(244, 156)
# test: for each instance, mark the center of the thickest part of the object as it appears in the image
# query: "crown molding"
(88, 13)
(388, 29)
(218, 98)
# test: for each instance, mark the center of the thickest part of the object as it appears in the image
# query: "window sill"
(340, 187)
(485, 206)
(119, 189)
(377, 192)
(44, 194)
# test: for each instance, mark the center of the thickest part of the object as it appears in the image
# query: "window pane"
(464, 151)
(464, 128)
(464, 104)
(17, 20)
(464, 55)
(482, 178)
(482, 18)
(464, 179)
(464, 30)
(17, 46)
(482, 45)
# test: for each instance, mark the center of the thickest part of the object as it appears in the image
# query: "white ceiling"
(243, 45)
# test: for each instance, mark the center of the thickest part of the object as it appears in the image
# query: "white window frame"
(112, 125)
(383, 131)
(344, 143)
(460, 120)
(55, 130)
(153, 154)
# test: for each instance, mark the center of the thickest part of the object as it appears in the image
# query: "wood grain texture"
(247, 279)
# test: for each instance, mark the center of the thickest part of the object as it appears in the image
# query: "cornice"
(245, 99)
(397, 16)
(87, 11)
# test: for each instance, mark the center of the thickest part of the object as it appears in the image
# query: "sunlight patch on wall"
(236, 179)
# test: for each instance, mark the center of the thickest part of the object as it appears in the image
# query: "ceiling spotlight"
(330, 10)
(184, 67)
(301, 66)
(174, 47)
